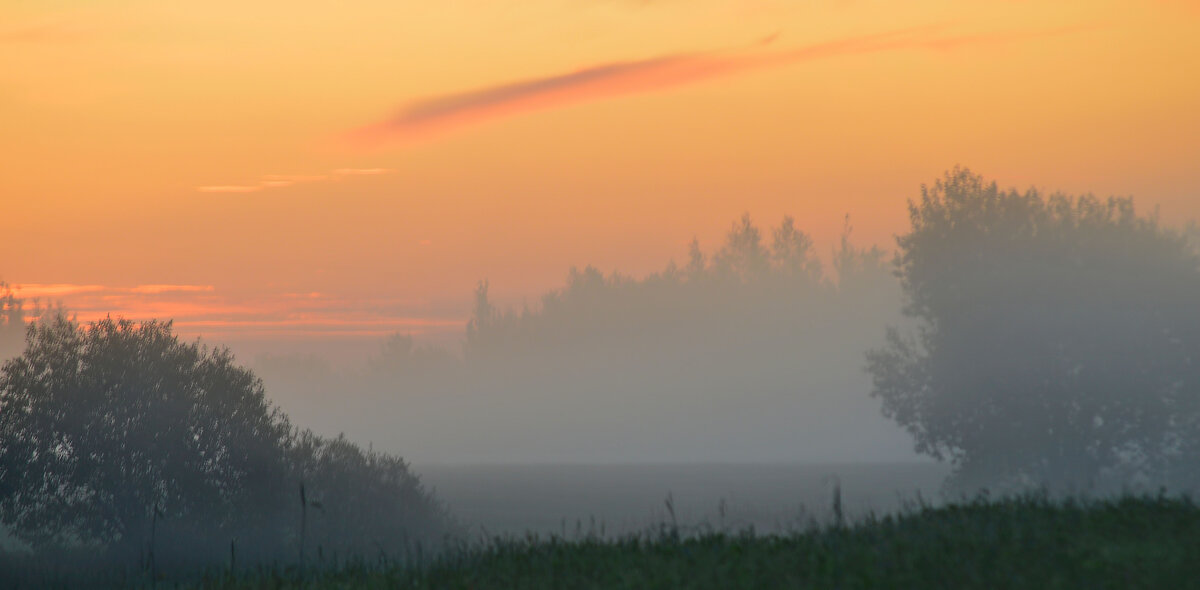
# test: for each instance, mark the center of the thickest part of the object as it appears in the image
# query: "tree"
(744, 256)
(400, 356)
(1057, 339)
(365, 501)
(103, 426)
(792, 252)
(12, 322)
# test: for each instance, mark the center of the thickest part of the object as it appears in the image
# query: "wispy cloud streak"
(53, 289)
(203, 310)
(361, 171)
(438, 114)
(282, 180)
(61, 289)
(156, 289)
(230, 188)
(272, 181)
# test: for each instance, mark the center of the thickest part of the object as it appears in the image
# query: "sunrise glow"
(391, 156)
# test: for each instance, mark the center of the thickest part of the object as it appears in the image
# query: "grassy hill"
(1030, 542)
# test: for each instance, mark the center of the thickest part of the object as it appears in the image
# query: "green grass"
(1149, 542)
(1029, 542)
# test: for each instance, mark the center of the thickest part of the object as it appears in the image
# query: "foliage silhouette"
(753, 337)
(12, 322)
(100, 425)
(368, 502)
(103, 427)
(1058, 340)
(744, 283)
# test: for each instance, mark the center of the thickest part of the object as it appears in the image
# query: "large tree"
(1057, 339)
(102, 426)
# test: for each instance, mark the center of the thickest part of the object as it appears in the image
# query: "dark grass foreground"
(1148, 542)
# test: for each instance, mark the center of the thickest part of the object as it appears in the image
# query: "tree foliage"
(1058, 339)
(365, 502)
(752, 337)
(756, 282)
(112, 428)
(99, 426)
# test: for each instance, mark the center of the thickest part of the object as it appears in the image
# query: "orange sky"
(306, 170)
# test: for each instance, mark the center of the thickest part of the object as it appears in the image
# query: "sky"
(302, 173)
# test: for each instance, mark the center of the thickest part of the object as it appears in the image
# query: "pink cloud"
(438, 114)
(201, 310)
(156, 289)
(271, 181)
(53, 290)
(282, 180)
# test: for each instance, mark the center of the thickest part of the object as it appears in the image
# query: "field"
(1028, 542)
(546, 499)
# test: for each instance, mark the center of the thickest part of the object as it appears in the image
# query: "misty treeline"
(754, 289)
(15, 314)
(1024, 338)
(1027, 339)
(166, 453)
(749, 351)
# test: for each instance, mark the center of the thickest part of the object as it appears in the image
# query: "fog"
(615, 500)
(1026, 341)
(751, 351)
(1012, 342)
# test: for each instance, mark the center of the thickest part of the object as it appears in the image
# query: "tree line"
(1034, 340)
(1046, 340)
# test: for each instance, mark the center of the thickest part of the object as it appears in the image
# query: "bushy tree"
(109, 429)
(364, 502)
(104, 425)
(1057, 340)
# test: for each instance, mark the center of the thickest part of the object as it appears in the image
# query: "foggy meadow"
(622, 294)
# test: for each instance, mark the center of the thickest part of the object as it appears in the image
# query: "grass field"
(1029, 542)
